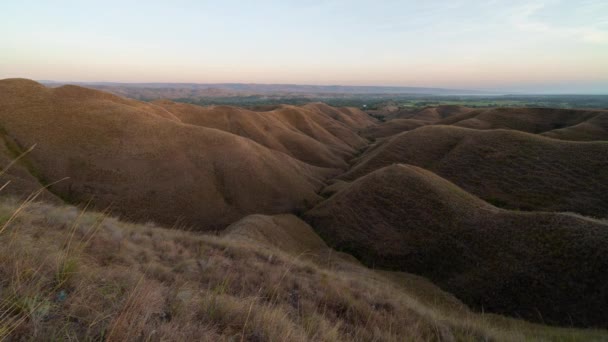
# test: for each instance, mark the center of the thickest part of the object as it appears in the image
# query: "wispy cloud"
(525, 19)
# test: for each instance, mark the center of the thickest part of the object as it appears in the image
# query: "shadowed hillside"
(16, 178)
(432, 114)
(567, 124)
(541, 266)
(408, 119)
(595, 128)
(507, 168)
(145, 163)
(392, 127)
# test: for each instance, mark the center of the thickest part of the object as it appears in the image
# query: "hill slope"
(321, 136)
(522, 264)
(409, 119)
(595, 128)
(567, 124)
(508, 168)
(433, 114)
(392, 127)
(86, 276)
(145, 163)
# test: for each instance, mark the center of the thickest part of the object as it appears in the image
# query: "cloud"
(525, 20)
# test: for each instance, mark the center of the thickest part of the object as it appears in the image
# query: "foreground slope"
(67, 275)
(144, 162)
(316, 134)
(540, 266)
(507, 168)
(15, 176)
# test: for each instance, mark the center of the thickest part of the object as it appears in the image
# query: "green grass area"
(414, 101)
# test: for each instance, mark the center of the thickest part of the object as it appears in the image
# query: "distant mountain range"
(249, 89)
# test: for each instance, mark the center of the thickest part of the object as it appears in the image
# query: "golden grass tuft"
(91, 277)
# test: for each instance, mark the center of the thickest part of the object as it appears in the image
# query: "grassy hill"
(392, 127)
(72, 275)
(316, 134)
(567, 124)
(432, 114)
(148, 164)
(507, 168)
(545, 267)
(595, 128)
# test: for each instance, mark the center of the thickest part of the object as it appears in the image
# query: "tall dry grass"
(67, 274)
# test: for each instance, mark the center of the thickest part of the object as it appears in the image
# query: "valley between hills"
(129, 220)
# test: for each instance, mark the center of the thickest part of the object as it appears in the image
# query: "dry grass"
(546, 267)
(566, 124)
(510, 169)
(392, 127)
(69, 275)
(146, 163)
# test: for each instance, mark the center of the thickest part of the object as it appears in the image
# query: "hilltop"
(406, 218)
(508, 168)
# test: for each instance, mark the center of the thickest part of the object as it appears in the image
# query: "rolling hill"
(541, 266)
(409, 119)
(566, 124)
(316, 134)
(145, 163)
(392, 127)
(432, 114)
(507, 168)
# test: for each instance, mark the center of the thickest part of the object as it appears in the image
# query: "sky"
(536, 46)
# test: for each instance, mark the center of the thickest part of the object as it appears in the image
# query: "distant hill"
(508, 168)
(153, 91)
(431, 114)
(545, 267)
(567, 124)
(408, 119)
(392, 127)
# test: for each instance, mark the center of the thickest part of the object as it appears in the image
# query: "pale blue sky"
(534, 45)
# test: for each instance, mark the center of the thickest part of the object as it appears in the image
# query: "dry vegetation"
(507, 168)
(545, 267)
(68, 275)
(316, 133)
(392, 127)
(146, 163)
(566, 124)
